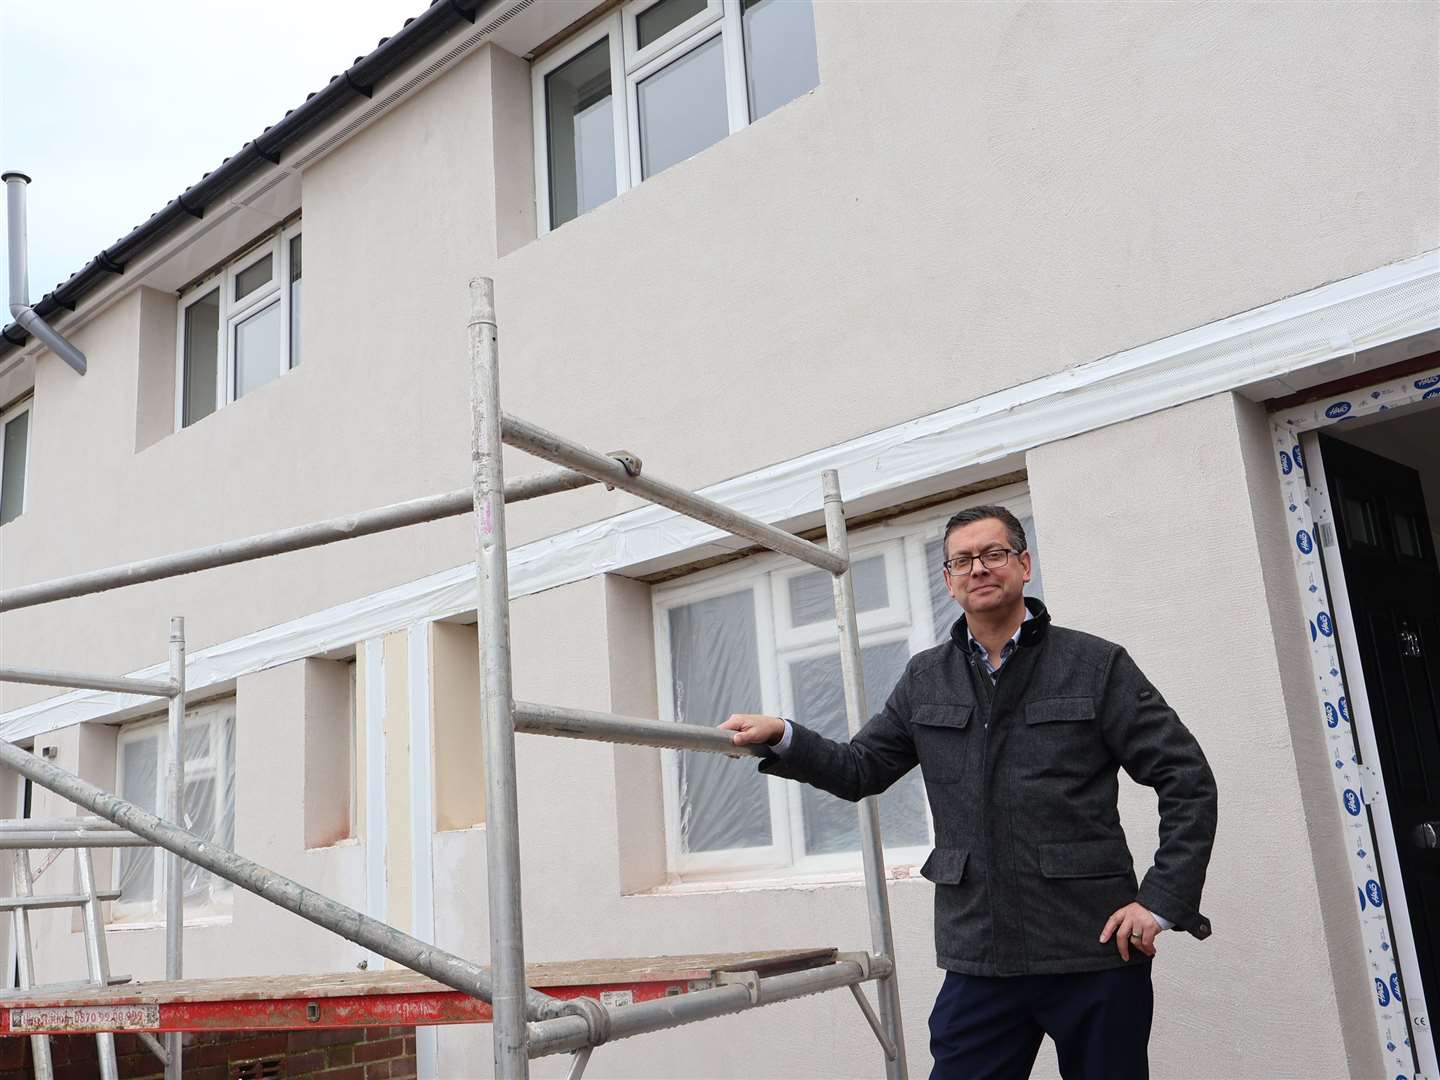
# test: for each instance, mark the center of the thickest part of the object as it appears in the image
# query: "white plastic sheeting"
(726, 647)
(209, 807)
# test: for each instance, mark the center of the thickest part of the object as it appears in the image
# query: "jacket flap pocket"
(1059, 710)
(945, 866)
(1085, 858)
(948, 714)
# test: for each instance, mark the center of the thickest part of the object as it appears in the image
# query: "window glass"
(208, 805)
(780, 59)
(202, 343)
(683, 108)
(715, 667)
(655, 22)
(257, 349)
(581, 127)
(13, 452)
(729, 653)
(140, 784)
(295, 302)
(253, 276)
(831, 824)
(812, 597)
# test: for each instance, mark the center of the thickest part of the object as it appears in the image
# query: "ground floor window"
(759, 636)
(209, 808)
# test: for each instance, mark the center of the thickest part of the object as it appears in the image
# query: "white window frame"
(234, 312)
(908, 617)
(629, 66)
(24, 406)
(149, 913)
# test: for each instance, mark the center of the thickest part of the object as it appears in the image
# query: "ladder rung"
(59, 900)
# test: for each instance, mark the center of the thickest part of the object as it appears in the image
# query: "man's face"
(985, 589)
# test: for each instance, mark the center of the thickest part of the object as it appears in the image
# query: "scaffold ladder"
(526, 1022)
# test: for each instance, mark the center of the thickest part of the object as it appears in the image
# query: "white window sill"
(159, 924)
(769, 880)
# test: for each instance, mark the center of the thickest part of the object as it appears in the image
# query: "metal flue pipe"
(20, 307)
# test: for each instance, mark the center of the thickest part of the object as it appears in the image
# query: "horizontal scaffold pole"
(558, 450)
(77, 681)
(316, 534)
(570, 1033)
(607, 727)
(454, 971)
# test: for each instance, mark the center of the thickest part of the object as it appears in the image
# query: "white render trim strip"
(1372, 309)
(422, 825)
(1346, 724)
(376, 823)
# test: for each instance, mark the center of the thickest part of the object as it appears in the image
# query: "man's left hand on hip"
(1134, 927)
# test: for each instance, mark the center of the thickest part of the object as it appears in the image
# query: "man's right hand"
(750, 729)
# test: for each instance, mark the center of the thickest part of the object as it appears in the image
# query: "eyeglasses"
(991, 560)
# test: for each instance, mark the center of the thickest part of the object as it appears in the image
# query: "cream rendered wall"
(1182, 564)
(975, 195)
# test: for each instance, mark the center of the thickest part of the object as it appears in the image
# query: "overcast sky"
(114, 107)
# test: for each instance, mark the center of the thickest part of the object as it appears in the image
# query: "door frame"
(1345, 716)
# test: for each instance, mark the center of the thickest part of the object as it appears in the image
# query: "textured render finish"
(1169, 564)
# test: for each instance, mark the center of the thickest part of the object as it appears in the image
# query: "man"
(1019, 728)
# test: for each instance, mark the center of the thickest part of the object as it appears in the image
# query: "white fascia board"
(1279, 341)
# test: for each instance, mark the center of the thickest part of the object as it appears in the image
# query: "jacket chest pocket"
(942, 740)
(1060, 711)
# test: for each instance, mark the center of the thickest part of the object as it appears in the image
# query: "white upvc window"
(760, 637)
(239, 328)
(14, 460)
(656, 82)
(143, 760)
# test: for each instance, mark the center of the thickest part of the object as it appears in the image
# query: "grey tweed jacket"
(1029, 857)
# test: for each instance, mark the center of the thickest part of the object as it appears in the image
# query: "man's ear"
(1025, 562)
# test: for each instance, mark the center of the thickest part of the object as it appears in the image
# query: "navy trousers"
(990, 1028)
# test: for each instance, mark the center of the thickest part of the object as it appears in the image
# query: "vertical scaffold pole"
(856, 712)
(502, 827)
(174, 810)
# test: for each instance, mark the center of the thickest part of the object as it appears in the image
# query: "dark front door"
(1393, 581)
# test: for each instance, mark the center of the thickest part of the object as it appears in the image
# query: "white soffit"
(1290, 343)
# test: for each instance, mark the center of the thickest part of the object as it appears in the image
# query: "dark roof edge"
(357, 81)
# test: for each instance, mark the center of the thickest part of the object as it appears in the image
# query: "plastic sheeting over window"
(759, 638)
(208, 807)
(831, 824)
(716, 672)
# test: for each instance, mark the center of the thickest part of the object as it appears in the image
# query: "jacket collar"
(1032, 630)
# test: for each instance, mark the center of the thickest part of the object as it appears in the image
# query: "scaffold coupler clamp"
(748, 979)
(595, 1015)
(628, 461)
(860, 958)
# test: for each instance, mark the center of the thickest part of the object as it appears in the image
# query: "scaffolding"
(527, 1022)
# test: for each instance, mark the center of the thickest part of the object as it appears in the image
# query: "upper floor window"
(759, 637)
(655, 83)
(14, 460)
(209, 808)
(239, 328)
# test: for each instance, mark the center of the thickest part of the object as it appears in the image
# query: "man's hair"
(986, 513)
